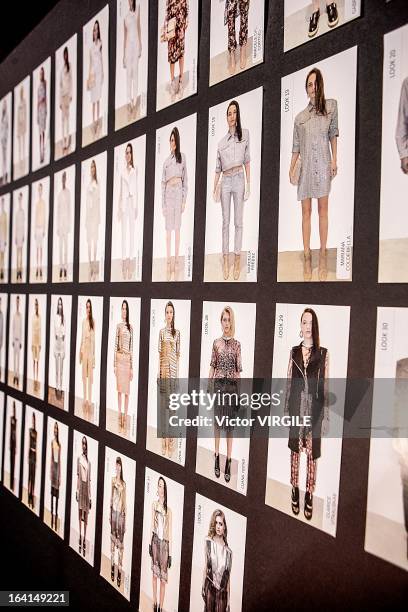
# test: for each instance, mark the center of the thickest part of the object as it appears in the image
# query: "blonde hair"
(229, 312)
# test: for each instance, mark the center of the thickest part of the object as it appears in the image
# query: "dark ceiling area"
(23, 20)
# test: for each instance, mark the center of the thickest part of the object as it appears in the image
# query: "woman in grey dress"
(315, 143)
(83, 492)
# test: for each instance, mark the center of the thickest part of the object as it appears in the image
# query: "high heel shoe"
(308, 511)
(322, 265)
(225, 267)
(227, 471)
(118, 579)
(295, 500)
(307, 265)
(79, 546)
(217, 470)
(112, 573)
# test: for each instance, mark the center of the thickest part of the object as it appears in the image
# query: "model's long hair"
(93, 163)
(176, 134)
(33, 418)
(129, 145)
(127, 313)
(231, 315)
(56, 436)
(315, 327)
(60, 309)
(66, 59)
(238, 125)
(173, 329)
(98, 37)
(133, 7)
(119, 462)
(90, 318)
(165, 492)
(320, 100)
(211, 530)
(86, 446)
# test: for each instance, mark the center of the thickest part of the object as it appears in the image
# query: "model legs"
(12, 464)
(1, 265)
(243, 31)
(16, 355)
(323, 205)
(238, 189)
(404, 482)
(20, 263)
(63, 255)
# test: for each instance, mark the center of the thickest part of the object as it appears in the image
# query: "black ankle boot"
(217, 470)
(227, 472)
(295, 500)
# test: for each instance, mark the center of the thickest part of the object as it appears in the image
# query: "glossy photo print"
(317, 170)
(37, 320)
(174, 201)
(117, 520)
(32, 459)
(227, 355)
(88, 358)
(93, 219)
(305, 20)
(95, 77)
(3, 335)
(63, 226)
(41, 105)
(5, 139)
(59, 351)
(84, 484)
(128, 210)
(387, 497)
(55, 476)
(122, 372)
(132, 56)
(65, 98)
(4, 237)
(19, 235)
(16, 342)
(393, 255)
(303, 473)
(217, 566)
(21, 129)
(233, 189)
(162, 542)
(12, 445)
(169, 350)
(237, 37)
(40, 206)
(177, 51)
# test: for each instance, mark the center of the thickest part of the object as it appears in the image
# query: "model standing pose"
(2, 336)
(17, 341)
(59, 347)
(42, 112)
(65, 99)
(226, 366)
(233, 161)
(174, 195)
(401, 132)
(3, 237)
(217, 566)
(55, 476)
(127, 212)
(169, 357)
(4, 134)
(117, 519)
(95, 77)
(36, 343)
(39, 230)
(233, 8)
(160, 544)
(174, 32)
(123, 363)
(400, 439)
(332, 16)
(32, 461)
(83, 493)
(19, 236)
(13, 445)
(87, 355)
(21, 130)
(132, 50)
(307, 395)
(315, 141)
(92, 221)
(63, 225)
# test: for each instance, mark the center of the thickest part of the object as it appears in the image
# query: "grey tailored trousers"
(232, 186)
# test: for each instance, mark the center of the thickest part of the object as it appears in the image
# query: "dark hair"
(320, 100)
(62, 309)
(165, 492)
(238, 126)
(119, 462)
(315, 327)
(99, 32)
(33, 418)
(129, 144)
(133, 6)
(57, 436)
(211, 530)
(66, 59)
(173, 329)
(91, 321)
(176, 134)
(93, 163)
(127, 314)
(86, 445)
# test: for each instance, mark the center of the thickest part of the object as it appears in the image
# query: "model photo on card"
(128, 210)
(4, 237)
(309, 492)
(21, 129)
(63, 225)
(174, 201)
(237, 37)
(307, 19)
(132, 55)
(2, 422)
(19, 235)
(3, 335)
(41, 104)
(83, 495)
(55, 477)
(117, 521)
(177, 51)
(386, 534)
(88, 358)
(37, 317)
(12, 445)
(16, 349)
(40, 198)
(93, 218)
(315, 241)
(392, 265)
(65, 98)
(123, 367)
(32, 459)
(233, 182)
(227, 355)
(168, 364)
(59, 351)
(162, 541)
(5, 139)
(95, 77)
